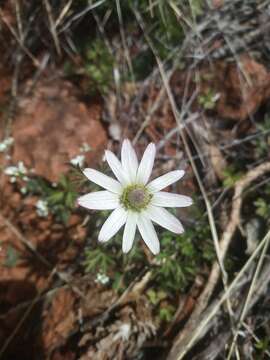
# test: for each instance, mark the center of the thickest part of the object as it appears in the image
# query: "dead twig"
(133, 292)
(52, 26)
(252, 289)
(218, 343)
(183, 340)
(123, 38)
(18, 39)
(204, 321)
(150, 114)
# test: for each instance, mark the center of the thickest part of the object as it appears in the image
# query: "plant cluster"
(172, 271)
(59, 198)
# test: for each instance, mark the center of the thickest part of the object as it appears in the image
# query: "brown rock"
(59, 321)
(240, 91)
(243, 93)
(52, 125)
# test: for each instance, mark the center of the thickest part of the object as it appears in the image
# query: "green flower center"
(135, 198)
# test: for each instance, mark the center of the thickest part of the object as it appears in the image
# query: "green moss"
(99, 65)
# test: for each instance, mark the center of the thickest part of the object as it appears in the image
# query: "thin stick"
(123, 38)
(192, 323)
(149, 115)
(63, 13)
(18, 18)
(205, 321)
(52, 26)
(250, 293)
(17, 38)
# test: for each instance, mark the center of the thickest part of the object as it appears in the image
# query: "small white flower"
(18, 170)
(78, 160)
(11, 171)
(42, 208)
(85, 148)
(21, 168)
(5, 144)
(23, 190)
(102, 279)
(135, 201)
(13, 179)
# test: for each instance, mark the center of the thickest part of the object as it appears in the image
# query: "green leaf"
(166, 313)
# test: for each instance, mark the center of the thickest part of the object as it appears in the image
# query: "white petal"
(114, 223)
(100, 200)
(165, 219)
(146, 164)
(167, 199)
(116, 167)
(129, 160)
(129, 232)
(165, 180)
(148, 233)
(103, 180)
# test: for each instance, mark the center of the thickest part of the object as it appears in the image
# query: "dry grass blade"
(123, 38)
(81, 14)
(52, 26)
(18, 18)
(179, 14)
(149, 115)
(18, 39)
(63, 13)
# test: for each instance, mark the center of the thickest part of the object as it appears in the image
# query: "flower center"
(135, 197)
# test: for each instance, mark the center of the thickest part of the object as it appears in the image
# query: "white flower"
(135, 201)
(78, 160)
(5, 144)
(85, 148)
(102, 279)
(42, 208)
(16, 171)
(23, 190)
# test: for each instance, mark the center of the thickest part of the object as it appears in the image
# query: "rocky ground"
(52, 123)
